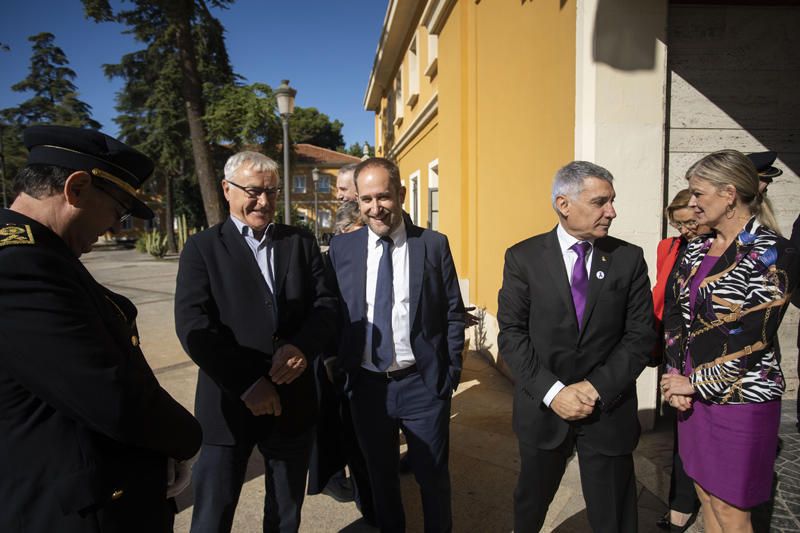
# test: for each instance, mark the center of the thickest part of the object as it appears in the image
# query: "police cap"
(763, 162)
(100, 155)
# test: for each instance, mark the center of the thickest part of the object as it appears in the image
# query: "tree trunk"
(191, 87)
(169, 213)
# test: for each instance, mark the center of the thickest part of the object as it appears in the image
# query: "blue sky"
(324, 47)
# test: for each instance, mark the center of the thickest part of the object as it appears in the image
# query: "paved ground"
(484, 459)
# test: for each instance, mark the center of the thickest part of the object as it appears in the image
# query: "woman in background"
(683, 504)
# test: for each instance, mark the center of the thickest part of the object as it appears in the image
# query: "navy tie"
(382, 339)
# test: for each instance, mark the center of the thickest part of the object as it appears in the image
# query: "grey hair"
(347, 215)
(256, 161)
(348, 168)
(569, 178)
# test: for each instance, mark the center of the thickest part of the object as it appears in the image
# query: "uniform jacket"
(85, 428)
(226, 320)
(540, 339)
(729, 334)
(436, 308)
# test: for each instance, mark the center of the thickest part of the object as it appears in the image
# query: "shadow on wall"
(623, 36)
(745, 60)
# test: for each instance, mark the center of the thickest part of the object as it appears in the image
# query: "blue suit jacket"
(436, 314)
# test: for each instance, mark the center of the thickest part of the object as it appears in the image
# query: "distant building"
(307, 157)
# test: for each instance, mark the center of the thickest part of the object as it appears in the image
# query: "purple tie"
(580, 281)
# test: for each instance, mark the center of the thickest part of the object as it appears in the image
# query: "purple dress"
(729, 450)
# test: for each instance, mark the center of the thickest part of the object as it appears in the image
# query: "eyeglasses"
(256, 192)
(688, 224)
(126, 211)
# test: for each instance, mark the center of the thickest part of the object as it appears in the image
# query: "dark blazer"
(540, 340)
(436, 309)
(226, 320)
(85, 428)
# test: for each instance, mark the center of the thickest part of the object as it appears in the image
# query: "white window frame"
(324, 183)
(433, 185)
(413, 71)
(399, 105)
(299, 189)
(325, 218)
(433, 56)
(414, 188)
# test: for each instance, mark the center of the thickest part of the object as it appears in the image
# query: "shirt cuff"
(246, 393)
(555, 389)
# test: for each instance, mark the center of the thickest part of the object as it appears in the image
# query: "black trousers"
(381, 408)
(219, 473)
(608, 483)
(682, 494)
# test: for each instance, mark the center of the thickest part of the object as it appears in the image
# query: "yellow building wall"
(506, 124)
(415, 158)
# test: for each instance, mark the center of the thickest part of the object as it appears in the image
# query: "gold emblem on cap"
(15, 234)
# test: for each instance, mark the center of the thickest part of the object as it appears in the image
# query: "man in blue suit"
(401, 342)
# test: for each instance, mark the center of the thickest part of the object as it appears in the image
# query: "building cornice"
(427, 114)
(435, 15)
(400, 18)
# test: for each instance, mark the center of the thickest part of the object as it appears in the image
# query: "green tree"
(308, 125)
(54, 100)
(55, 95)
(183, 36)
(357, 150)
(239, 116)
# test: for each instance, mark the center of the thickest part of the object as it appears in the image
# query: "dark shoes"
(405, 465)
(340, 489)
(665, 524)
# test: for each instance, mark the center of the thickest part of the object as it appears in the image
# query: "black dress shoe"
(665, 523)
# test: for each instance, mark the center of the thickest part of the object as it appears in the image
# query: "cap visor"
(140, 210)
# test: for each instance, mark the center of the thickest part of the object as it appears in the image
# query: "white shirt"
(565, 242)
(262, 249)
(401, 303)
(264, 253)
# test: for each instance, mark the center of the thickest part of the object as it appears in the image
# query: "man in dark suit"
(401, 342)
(575, 315)
(253, 307)
(86, 433)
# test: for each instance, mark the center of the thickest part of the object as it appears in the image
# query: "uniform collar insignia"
(12, 234)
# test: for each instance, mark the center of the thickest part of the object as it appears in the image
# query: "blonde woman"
(732, 289)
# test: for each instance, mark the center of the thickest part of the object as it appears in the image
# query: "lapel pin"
(603, 258)
(600, 274)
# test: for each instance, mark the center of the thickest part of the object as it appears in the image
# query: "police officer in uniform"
(87, 435)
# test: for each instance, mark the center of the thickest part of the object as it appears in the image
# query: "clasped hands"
(677, 391)
(288, 363)
(575, 401)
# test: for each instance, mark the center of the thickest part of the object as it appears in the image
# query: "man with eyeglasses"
(87, 435)
(253, 307)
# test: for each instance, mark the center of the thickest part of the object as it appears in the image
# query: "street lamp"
(285, 96)
(315, 179)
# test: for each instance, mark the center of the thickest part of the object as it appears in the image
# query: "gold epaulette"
(12, 234)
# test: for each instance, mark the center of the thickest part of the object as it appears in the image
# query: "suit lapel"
(357, 272)
(554, 260)
(282, 248)
(240, 253)
(601, 263)
(416, 267)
